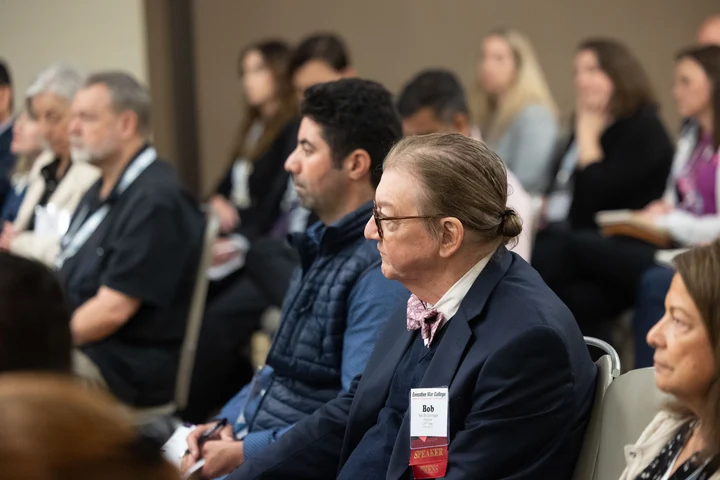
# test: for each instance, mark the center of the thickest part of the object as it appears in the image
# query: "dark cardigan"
(637, 157)
(267, 184)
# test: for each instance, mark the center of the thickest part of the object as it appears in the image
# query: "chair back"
(195, 314)
(630, 403)
(585, 466)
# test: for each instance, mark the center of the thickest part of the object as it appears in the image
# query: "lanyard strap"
(693, 476)
(83, 228)
(567, 166)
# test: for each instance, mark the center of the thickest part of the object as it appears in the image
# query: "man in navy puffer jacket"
(338, 299)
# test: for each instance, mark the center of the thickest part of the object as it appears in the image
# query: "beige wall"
(159, 53)
(390, 40)
(90, 34)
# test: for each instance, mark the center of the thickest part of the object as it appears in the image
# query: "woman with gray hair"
(509, 379)
(56, 183)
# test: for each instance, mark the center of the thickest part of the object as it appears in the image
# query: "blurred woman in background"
(690, 208)
(250, 193)
(619, 153)
(682, 441)
(253, 202)
(27, 145)
(618, 157)
(55, 428)
(517, 113)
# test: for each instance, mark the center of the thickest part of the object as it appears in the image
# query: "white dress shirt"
(449, 303)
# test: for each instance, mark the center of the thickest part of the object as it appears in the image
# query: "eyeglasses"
(379, 218)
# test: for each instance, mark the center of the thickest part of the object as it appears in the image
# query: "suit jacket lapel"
(448, 355)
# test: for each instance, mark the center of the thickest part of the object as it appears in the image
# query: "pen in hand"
(209, 434)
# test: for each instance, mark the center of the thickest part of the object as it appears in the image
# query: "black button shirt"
(148, 248)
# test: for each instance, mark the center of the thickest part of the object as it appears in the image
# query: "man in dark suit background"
(7, 159)
(480, 321)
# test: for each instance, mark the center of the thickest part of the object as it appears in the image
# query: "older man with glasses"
(484, 374)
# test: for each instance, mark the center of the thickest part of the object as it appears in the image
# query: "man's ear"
(461, 124)
(453, 234)
(348, 72)
(5, 98)
(128, 123)
(358, 164)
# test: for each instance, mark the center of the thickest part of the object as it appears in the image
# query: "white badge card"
(429, 412)
(51, 221)
(429, 432)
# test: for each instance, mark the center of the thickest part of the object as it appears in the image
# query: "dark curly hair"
(438, 89)
(355, 113)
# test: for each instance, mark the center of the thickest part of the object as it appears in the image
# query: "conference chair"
(608, 369)
(192, 330)
(630, 404)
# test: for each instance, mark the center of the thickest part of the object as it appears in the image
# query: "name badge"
(429, 432)
(51, 221)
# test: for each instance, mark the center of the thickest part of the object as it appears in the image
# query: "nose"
(44, 129)
(677, 93)
(74, 126)
(291, 164)
(656, 336)
(371, 231)
(581, 78)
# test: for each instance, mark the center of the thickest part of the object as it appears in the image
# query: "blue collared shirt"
(372, 297)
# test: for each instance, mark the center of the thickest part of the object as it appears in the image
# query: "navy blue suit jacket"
(7, 163)
(521, 389)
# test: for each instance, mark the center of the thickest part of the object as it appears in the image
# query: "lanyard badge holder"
(82, 228)
(258, 387)
(429, 432)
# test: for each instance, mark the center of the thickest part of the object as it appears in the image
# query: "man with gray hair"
(56, 183)
(129, 259)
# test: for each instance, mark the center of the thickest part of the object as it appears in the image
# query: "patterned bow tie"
(427, 319)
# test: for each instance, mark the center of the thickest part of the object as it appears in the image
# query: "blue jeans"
(649, 308)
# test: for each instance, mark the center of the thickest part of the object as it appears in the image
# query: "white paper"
(175, 448)
(429, 412)
(236, 243)
(610, 217)
(665, 257)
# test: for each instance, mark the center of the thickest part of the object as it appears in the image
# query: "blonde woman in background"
(27, 144)
(517, 113)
